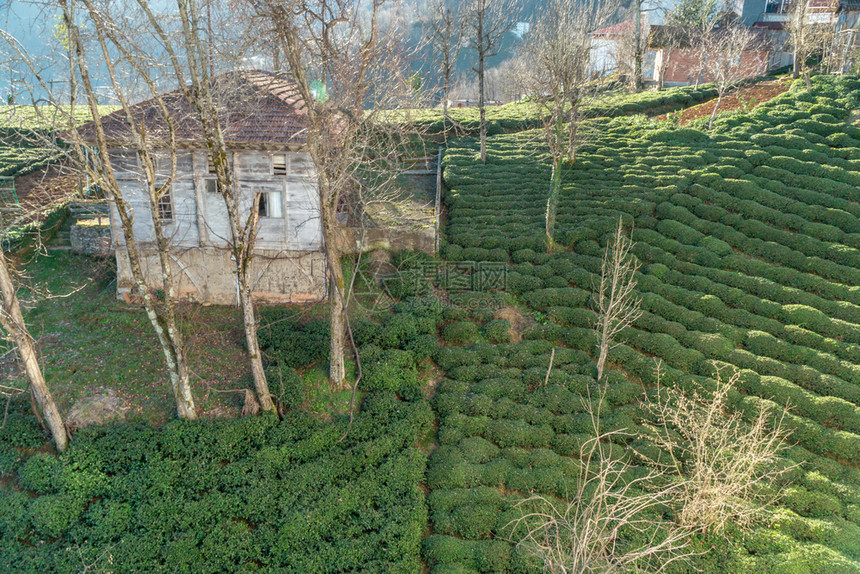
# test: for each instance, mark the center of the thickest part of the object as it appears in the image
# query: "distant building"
(612, 49)
(678, 62)
(847, 41)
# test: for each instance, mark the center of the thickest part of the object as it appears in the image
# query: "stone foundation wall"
(205, 275)
(389, 239)
(90, 237)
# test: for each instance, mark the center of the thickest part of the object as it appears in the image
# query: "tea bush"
(748, 239)
(225, 495)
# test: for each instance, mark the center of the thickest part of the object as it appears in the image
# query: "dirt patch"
(746, 97)
(45, 186)
(517, 320)
(100, 408)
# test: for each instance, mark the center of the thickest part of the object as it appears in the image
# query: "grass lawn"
(89, 341)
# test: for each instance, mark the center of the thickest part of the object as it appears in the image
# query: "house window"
(165, 206)
(279, 164)
(212, 185)
(777, 6)
(271, 204)
(210, 167)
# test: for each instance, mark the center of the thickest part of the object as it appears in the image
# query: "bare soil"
(746, 97)
(45, 186)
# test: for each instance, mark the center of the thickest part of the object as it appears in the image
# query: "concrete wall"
(351, 240)
(289, 266)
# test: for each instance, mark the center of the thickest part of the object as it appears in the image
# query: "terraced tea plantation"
(522, 115)
(26, 133)
(472, 382)
(749, 240)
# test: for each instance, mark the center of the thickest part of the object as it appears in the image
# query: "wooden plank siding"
(285, 241)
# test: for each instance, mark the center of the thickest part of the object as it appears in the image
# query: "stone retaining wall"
(91, 237)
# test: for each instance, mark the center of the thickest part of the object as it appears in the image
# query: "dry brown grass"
(590, 532)
(731, 466)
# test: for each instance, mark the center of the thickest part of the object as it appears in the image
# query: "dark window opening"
(165, 207)
(213, 186)
(270, 205)
(279, 164)
(264, 206)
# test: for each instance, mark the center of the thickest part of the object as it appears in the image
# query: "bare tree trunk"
(700, 70)
(552, 203)
(337, 310)
(714, 113)
(169, 337)
(243, 237)
(481, 110)
(261, 385)
(664, 66)
(637, 46)
(13, 323)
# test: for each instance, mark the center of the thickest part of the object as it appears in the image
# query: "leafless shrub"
(730, 465)
(734, 53)
(612, 521)
(615, 300)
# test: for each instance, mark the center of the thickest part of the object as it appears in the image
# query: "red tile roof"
(256, 109)
(615, 30)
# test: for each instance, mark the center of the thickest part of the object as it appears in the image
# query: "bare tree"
(202, 96)
(134, 41)
(734, 53)
(555, 73)
(445, 31)
(811, 35)
(587, 532)
(731, 466)
(615, 299)
(667, 39)
(162, 314)
(487, 23)
(13, 324)
(353, 136)
(637, 83)
(694, 21)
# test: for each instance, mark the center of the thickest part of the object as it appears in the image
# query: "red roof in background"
(256, 108)
(615, 30)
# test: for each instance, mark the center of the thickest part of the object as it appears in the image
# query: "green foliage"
(460, 333)
(498, 331)
(390, 370)
(287, 386)
(37, 474)
(286, 340)
(749, 238)
(227, 496)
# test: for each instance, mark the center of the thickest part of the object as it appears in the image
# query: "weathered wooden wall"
(289, 264)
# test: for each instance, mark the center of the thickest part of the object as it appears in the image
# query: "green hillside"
(749, 240)
(748, 237)
(522, 115)
(27, 135)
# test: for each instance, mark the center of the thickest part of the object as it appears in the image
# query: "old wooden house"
(263, 125)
